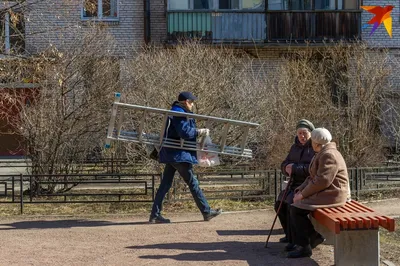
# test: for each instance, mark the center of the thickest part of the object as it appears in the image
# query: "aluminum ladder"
(137, 135)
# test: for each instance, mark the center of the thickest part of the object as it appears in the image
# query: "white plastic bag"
(207, 159)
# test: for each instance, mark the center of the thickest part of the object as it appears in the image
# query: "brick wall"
(58, 22)
(158, 21)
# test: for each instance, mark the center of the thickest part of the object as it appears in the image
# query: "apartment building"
(264, 28)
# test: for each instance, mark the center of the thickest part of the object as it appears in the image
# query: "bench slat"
(361, 207)
(344, 223)
(382, 221)
(391, 224)
(331, 223)
(352, 216)
(374, 221)
(367, 222)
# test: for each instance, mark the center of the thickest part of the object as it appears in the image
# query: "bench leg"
(360, 247)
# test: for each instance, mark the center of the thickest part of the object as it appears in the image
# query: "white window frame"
(99, 12)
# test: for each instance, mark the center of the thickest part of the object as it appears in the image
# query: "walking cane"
(279, 208)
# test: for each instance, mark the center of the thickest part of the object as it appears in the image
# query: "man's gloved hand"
(201, 132)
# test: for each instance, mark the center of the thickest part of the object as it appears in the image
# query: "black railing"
(262, 27)
(106, 188)
(77, 188)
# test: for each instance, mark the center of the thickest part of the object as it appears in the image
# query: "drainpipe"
(147, 35)
(7, 33)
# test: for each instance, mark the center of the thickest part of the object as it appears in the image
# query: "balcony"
(263, 27)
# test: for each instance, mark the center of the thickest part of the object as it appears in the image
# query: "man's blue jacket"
(179, 127)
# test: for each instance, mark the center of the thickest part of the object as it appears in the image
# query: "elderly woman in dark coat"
(327, 186)
(295, 165)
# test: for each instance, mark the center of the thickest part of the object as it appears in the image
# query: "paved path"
(231, 239)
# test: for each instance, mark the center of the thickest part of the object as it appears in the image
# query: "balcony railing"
(263, 27)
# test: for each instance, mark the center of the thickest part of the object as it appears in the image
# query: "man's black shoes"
(211, 214)
(300, 252)
(159, 220)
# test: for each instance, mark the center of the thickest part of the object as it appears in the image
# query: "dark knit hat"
(304, 123)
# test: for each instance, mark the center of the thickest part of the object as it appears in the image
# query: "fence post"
(112, 163)
(21, 191)
(357, 192)
(30, 188)
(242, 192)
(13, 188)
(276, 185)
(152, 186)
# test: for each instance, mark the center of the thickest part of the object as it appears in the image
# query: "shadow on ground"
(248, 232)
(253, 253)
(62, 224)
(45, 224)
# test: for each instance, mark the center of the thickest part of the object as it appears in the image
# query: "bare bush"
(341, 88)
(68, 112)
(222, 78)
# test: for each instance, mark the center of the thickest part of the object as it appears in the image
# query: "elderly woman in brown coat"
(327, 186)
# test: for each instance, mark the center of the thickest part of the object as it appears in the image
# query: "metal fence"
(109, 165)
(116, 187)
(98, 188)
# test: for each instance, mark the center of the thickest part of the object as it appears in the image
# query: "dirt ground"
(232, 239)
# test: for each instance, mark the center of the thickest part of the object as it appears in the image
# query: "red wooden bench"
(355, 229)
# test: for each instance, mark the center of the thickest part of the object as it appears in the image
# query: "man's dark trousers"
(186, 171)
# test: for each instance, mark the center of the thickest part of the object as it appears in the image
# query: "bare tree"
(67, 114)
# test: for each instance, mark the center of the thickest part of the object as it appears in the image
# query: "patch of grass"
(377, 194)
(76, 209)
(390, 244)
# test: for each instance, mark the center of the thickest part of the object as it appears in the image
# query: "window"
(240, 4)
(300, 5)
(100, 9)
(229, 4)
(201, 4)
(348, 4)
(214, 4)
(325, 4)
(253, 4)
(312, 4)
(277, 4)
(190, 4)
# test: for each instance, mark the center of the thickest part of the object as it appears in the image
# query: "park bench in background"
(354, 231)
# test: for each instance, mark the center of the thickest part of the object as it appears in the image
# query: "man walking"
(181, 160)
